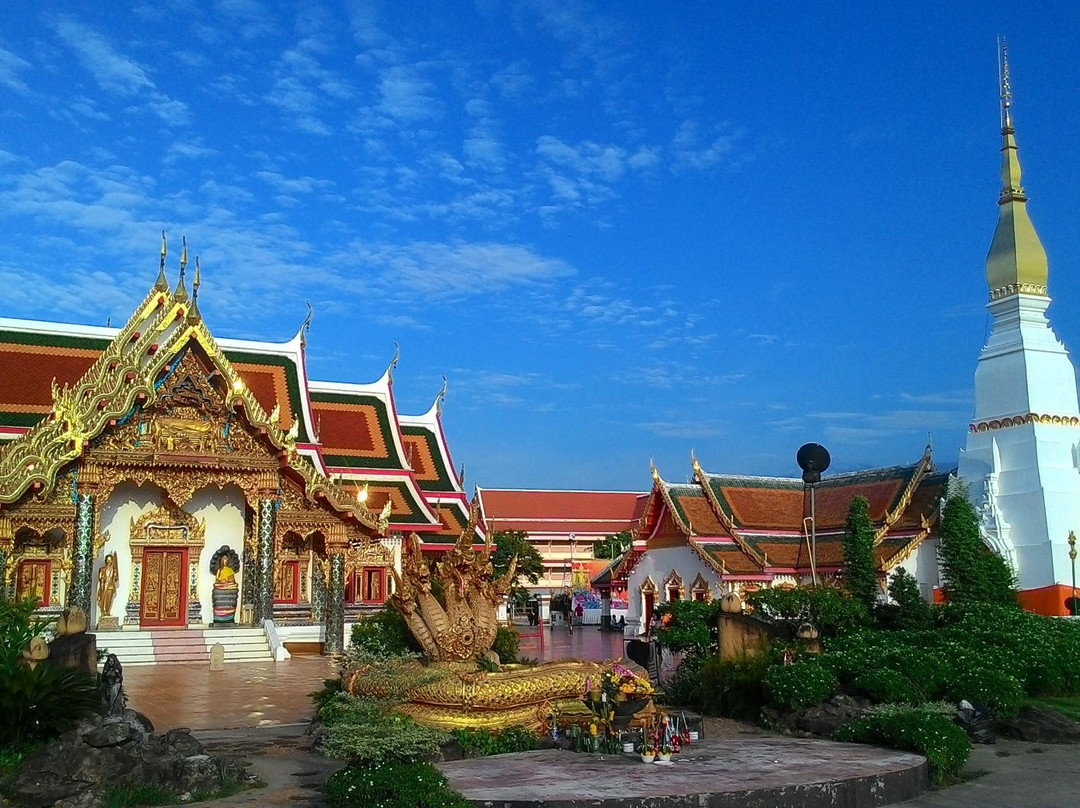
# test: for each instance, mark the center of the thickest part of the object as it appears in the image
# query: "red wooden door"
(164, 587)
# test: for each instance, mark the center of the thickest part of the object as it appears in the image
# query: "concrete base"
(720, 773)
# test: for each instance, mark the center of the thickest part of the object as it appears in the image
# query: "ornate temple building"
(1022, 458)
(732, 533)
(157, 477)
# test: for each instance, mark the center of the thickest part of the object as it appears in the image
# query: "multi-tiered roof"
(755, 528)
(351, 434)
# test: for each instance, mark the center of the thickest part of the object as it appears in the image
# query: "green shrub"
(506, 644)
(383, 634)
(883, 685)
(483, 742)
(908, 609)
(688, 626)
(733, 688)
(944, 745)
(365, 732)
(803, 684)
(993, 688)
(18, 626)
(971, 572)
(41, 703)
(831, 610)
(124, 795)
(682, 688)
(392, 785)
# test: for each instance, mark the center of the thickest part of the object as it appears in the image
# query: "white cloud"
(116, 73)
(11, 65)
(702, 148)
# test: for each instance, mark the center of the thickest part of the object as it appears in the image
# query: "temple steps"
(185, 646)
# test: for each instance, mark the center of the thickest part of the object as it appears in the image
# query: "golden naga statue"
(463, 627)
(455, 629)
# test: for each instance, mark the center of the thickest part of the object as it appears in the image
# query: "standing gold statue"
(108, 579)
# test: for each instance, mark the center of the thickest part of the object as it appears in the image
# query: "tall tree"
(970, 571)
(860, 574)
(511, 543)
(613, 545)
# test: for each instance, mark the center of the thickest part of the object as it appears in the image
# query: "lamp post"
(813, 458)
(1072, 561)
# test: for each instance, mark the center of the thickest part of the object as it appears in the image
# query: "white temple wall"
(126, 502)
(222, 511)
(922, 564)
(658, 564)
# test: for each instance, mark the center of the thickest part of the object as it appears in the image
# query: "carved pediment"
(168, 527)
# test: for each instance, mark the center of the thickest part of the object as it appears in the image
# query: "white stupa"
(1023, 444)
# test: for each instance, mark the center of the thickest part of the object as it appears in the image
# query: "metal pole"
(813, 537)
(1072, 561)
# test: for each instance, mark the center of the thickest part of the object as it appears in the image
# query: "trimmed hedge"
(944, 745)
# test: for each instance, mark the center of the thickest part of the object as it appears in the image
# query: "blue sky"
(622, 230)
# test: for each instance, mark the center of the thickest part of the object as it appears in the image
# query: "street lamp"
(1072, 560)
(813, 458)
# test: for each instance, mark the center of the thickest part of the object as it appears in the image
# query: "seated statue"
(224, 564)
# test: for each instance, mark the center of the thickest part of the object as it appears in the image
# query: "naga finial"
(393, 363)
(305, 327)
(440, 397)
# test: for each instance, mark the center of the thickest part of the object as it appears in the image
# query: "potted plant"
(664, 753)
(648, 752)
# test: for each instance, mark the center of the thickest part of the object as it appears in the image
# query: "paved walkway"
(261, 694)
(760, 770)
(1013, 774)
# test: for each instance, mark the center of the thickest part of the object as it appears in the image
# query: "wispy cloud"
(700, 147)
(682, 430)
(116, 73)
(11, 68)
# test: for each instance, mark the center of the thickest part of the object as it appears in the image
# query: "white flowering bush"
(392, 785)
(803, 684)
(944, 745)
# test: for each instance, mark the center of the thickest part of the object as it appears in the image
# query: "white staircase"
(180, 646)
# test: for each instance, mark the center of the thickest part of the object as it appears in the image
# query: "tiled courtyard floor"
(266, 694)
(261, 694)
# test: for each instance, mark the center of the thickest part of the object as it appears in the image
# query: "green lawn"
(1069, 705)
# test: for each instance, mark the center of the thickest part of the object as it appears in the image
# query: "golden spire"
(193, 312)
(1017, 261)
(181, 290)
(162, 284)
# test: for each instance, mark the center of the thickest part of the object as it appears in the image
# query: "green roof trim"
(392, 460)
(54, 340)
(676, 493)
(292, 381)
(444, 483)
